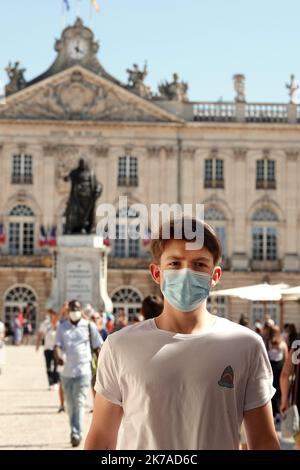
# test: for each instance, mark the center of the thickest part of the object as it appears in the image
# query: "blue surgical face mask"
(185, 289)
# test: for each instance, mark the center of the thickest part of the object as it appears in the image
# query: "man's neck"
(184, 322)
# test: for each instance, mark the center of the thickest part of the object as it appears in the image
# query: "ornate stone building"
(240, 159)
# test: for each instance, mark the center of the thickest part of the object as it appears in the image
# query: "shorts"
(297, 439)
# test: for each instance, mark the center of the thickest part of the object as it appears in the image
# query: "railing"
(266, 265)
(128, 181)
(222, 112)
(265, 184)
(266, 112)
(213, 183)
(30, 261)
(245, 112)
(298, 113)
(21, 179)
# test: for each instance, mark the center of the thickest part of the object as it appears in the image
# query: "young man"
(76, 338)
(186, 379)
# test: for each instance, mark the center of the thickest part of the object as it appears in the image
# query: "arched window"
(124, 245)
(264, 214)
(264, 235)
(21, 230)
(216, 218)
(17, 298)
(128, 299)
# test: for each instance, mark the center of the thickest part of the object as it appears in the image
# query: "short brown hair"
(152, 306)
(211, 240)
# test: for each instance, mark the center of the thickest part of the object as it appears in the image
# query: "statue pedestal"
(80, 271)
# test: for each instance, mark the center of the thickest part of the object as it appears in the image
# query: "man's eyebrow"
(174, 257)
(201, 258)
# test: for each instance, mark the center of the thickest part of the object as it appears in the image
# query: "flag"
(2, 235)
(42, 236)
(67, 4)
(95, 5)
(52, 237)
(106, 241)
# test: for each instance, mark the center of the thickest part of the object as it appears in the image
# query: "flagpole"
(91, 14)
(63, 15)
(78, 8)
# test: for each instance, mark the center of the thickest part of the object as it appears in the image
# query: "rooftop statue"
(16, 78)
(293, 87)
(239, 87)
(136, 79)
(174, 91)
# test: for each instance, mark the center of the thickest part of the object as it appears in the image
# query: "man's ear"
(155, 272)
(216, 276)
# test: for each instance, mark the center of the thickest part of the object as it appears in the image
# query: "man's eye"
(199, 265)
(174, 263)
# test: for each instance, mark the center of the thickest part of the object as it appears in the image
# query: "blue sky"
(205, 41)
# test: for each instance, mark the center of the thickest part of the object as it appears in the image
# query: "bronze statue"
(85, 190)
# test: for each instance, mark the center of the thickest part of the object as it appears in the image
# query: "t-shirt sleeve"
(107, 381)
(259, 389)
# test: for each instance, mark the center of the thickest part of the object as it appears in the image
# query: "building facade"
(240, 159)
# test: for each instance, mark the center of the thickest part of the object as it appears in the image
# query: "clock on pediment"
(77, 48)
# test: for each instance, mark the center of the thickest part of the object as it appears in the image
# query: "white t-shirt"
(49, 332)
(183, 391)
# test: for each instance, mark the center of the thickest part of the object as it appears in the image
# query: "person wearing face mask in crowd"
(185, 379)
(76, 338)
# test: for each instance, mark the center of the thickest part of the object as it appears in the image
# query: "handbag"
(290, 425)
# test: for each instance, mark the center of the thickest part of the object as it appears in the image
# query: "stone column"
(187, 182)
(239, 258)
(101, 169)
(156, 179)
(291, 257)
(47, 165)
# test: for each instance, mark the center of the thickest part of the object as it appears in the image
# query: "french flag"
(42, 237)
(52, 237)
(2, 235)
(106, 241)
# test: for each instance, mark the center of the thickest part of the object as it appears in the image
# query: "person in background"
(258, 328)
(63, 316)
(244, 321)
(152, 306)
(47, 332)
(291, 366)
(88, 311)
(76, 338)
(138, 317)
(277, 352)
(18, 323)
(122, 320)
(96, 317)
(110, 322)
(289, 334)
(2, 345)
(269, 322)
(27, 326)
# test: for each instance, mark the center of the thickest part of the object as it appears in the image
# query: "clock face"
(78, 48)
